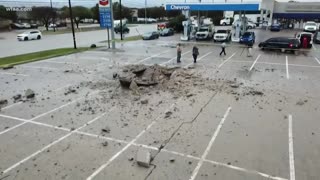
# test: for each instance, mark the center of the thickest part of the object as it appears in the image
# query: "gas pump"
(186, 26)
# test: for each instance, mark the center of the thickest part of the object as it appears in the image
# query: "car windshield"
(148, 33)
(246, 34)
(203, 29)
(318, 35)
(166, 30)
(26, 32)
(311, 24)
(222, 31)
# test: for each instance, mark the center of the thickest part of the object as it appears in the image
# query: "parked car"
(150, 35)
(310, 26)
(29, 35)
(306, 39)
(281, 43)
(248, 38)
(275, 27)
(17, 26)
(125, 29)
(316, 38)
(265, 25)
(26, 25)
(251, 25)
(205, 32)
(167, 32)
(222, 36)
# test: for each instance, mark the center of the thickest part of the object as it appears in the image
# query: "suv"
(222, 36)
(316, 38)
(205, 32)
(248, 38)
(29, 35)
(125, 29)
(282, 43)
(310, 26)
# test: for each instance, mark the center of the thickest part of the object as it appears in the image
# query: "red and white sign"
(104, 3)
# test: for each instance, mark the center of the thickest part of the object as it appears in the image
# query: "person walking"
(179, 53)
(223, 48)
(195, 53)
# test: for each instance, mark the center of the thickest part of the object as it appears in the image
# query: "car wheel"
(224, 24)
(39, 37)
(26, 38)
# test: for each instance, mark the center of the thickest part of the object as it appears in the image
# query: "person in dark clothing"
(223, 48)
(179, 53)
(195, 53)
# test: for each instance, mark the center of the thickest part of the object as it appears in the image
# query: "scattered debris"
(143, 157)
(144, 101)
(106, 129)
(105, 144)
(168, 114)
(300, 103)
(131, 159)
(70, 90)
(172, 160)
(3, 102)
(29, 94)
(234, 85)
(189, 95)
(254, 93)
(115, 75)
(17, 97)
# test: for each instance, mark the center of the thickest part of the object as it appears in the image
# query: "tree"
(95, 12)
(11, 15)
(43, 14)
(126, 12)
(80, 13)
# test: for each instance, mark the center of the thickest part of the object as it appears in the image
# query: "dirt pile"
(142, 75)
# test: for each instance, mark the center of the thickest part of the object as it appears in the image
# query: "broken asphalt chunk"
(29, 93)
(143, 157)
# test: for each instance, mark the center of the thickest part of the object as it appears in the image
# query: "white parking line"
(226, 61)
(175, 58)
(152, 57)
(12, 105)
(43, 114)
(204, 155)
(53, 143)
(95, 173)
(317, 60)
(291, 154)
(254, 62)
(200, 58)
(154, 148)
(14, 74)
(245, 170)
(287, 68)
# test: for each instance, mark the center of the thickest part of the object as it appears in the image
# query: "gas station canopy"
(214, 7)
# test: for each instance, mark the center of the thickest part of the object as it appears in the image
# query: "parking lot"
(257, 118)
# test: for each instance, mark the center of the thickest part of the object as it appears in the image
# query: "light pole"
(145, 11)
(72, 26)
(199, 17)
(53, 18)
(120, 9)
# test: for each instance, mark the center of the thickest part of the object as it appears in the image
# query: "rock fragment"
(29, 94)
(143, 157)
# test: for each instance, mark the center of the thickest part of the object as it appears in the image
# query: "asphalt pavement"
(226, 117)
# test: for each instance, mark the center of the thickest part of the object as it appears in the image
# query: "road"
(9, 46)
